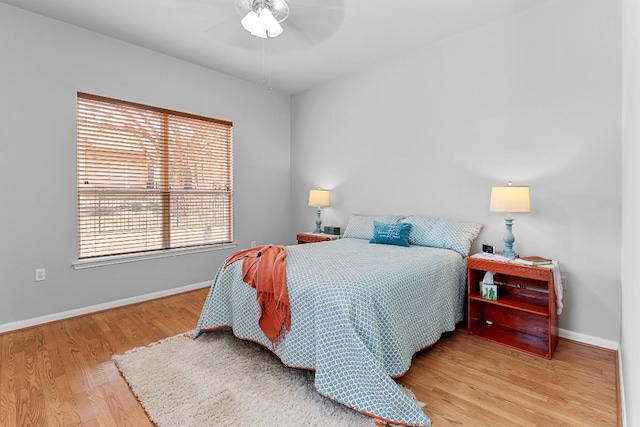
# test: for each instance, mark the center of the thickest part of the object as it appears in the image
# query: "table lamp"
(318, 198)
(509, 199)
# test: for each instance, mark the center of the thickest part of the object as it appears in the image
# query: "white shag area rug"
(221, 380)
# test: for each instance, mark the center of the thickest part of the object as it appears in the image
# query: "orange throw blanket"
(264, 269)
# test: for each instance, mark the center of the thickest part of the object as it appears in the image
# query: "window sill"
(121, 259)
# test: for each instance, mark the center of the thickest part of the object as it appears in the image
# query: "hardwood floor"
(61, 374)
(468, 381)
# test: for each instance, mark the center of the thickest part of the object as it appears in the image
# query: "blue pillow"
(391, 234)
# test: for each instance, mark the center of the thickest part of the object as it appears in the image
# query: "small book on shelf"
(533, 260)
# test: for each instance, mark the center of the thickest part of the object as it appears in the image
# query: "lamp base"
(511, 254)
(318, 222)
(509, 239)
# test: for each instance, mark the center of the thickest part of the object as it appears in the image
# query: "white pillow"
(443, 233)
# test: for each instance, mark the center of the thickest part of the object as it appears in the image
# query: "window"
(150, 179)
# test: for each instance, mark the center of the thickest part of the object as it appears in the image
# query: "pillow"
(391, 234)
(361, 226)
(443, 233)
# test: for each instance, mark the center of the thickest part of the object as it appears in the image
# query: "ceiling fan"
(293, 24)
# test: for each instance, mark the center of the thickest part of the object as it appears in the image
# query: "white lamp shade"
(510, 199)
(250, 21)
(319, 198)
(262, 24)
(269, 23)
(258, 31)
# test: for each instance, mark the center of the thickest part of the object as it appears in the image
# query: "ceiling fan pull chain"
(268, 67)
(266, 72)
(264, 67)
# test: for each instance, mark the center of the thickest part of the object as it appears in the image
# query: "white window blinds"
(150, 179)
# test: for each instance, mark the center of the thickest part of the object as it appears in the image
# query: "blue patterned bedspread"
(359, 312)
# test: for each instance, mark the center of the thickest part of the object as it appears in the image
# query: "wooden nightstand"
(314, 237)
(524, 315)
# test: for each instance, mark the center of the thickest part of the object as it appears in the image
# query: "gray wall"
(44, 63)
(534, 98)
(629, 343)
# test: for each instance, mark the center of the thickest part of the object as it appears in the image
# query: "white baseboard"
(588, 339)
(21, 324)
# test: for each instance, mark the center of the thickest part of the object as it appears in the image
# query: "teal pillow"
(391, 234)
(361, 226)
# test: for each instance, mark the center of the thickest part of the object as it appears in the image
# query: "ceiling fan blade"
(316, 23)
(322, 4)
(318, 12)
(292, 38)
(230, 32)
(207, 2)
(195, 12)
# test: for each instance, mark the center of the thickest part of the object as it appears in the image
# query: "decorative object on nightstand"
(329, 229)
(509, 199)
(488, 289)
(319, 199)
(489, 292)
(533, 260)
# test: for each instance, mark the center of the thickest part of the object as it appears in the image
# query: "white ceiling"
(322, 39)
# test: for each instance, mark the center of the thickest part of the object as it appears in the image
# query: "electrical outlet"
(563, 280)
(40, 274)
(253, 243)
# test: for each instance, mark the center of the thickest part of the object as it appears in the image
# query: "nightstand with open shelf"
(524, 315)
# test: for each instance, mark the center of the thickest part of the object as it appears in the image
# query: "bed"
(359, 311)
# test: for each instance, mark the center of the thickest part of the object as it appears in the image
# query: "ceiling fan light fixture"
(250, 21)
(259, 32)
(270, 24)
(263, 17)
